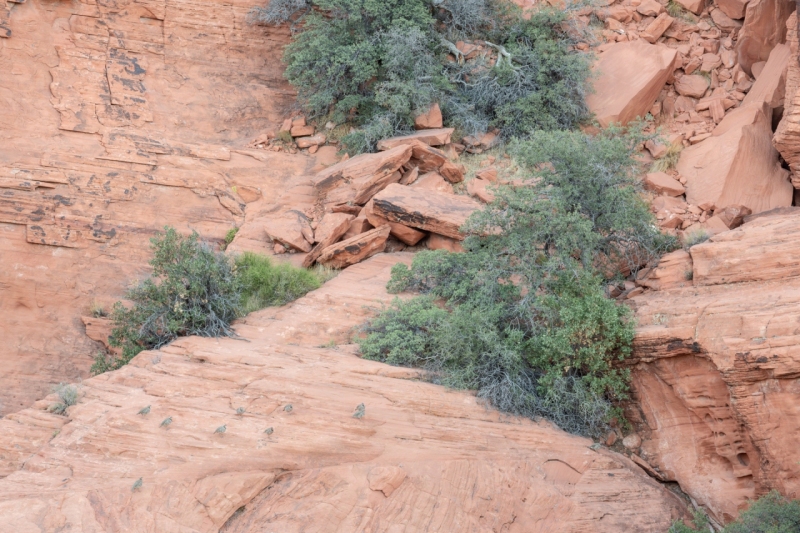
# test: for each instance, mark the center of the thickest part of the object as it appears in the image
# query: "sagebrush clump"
(377, 63)
(521, 316)
(196, 290)
(772, 513)
(67, 397)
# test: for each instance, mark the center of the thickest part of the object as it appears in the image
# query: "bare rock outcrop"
(422, 458)
(119, 119)
(717, 363)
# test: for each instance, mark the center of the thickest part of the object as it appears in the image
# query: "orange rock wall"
(718, 367)
(117, 118)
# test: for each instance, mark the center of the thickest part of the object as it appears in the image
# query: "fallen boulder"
(424, 209)
(432, 119)
(355, 250)
(770, 86)
(363, 170)
(435, 137)
(630, 76)
(291, 229)
(764, 27)
(330, 229)
(737, 165)
(433, 181)
(663, 183)
(409, 236)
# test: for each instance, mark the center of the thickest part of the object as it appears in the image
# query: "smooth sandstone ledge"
(423, 458)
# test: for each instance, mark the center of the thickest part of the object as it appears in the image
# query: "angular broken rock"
(732, 216)
(694, 85)
(308, 142)
(426, 210)
(733, 8)
(433, 181)
(657, 28)
(673, 270)
(770, 86)
(738, 164)
(426, 157)
(352, 251)
(764, 27)
(358, 225)
(630, 76)
(437, 137)
(288, 229)
(409, 236)
(478, 188)
(663, 183)
(362, 169)
(430, 120)
(330, 229)
(440, 242)
(694, 6)
(452, 172)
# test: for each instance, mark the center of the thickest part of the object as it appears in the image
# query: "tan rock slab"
(663, 183)
(424, 209)
(433, 181)
(657, 28)
(430, 120)
(723, 21)
(630, 77)
(433, 137)
(693, 6)
(733, 8)
(673, 270)
(440, 242)
(409, 236)
(302, 131)
(770, 86)
(362, 170)
(478, 188)
(764, 28)
(737, 164)
(354, 250)
(330, 229)
(291, 230)
(650, 8)
(308, 142)
(694, 86)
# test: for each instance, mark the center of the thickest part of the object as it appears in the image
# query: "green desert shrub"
(264, 283)
(195, 290)
(375, 64)
(67, 396)
(521, 316)
(772, 513)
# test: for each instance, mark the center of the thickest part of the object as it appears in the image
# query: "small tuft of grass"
(67, 395)
(688, 275)
(670, 159)
(284, 136)
(695, 237)
(97, 310)
(674, 9)
(265, 283)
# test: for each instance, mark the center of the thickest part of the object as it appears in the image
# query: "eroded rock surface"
(718, 367)
(423, 458)
(119, 118)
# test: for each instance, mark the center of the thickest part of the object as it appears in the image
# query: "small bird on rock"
(240, 411)
(360, 411)
(137, 485)
(268, 431)
(167, 421)
(144, 410)
(288, 408)
(221, 429)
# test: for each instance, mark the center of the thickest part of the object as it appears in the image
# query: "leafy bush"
(772, 513)
(67, 395)
(378, 63)
(523, 318)
(265, 284)
(195, 290)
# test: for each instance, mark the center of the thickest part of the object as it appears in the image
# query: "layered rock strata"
(422, 458)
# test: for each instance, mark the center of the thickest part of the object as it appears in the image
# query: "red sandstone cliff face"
(118, 117)
(718, 366)
(423, 458)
